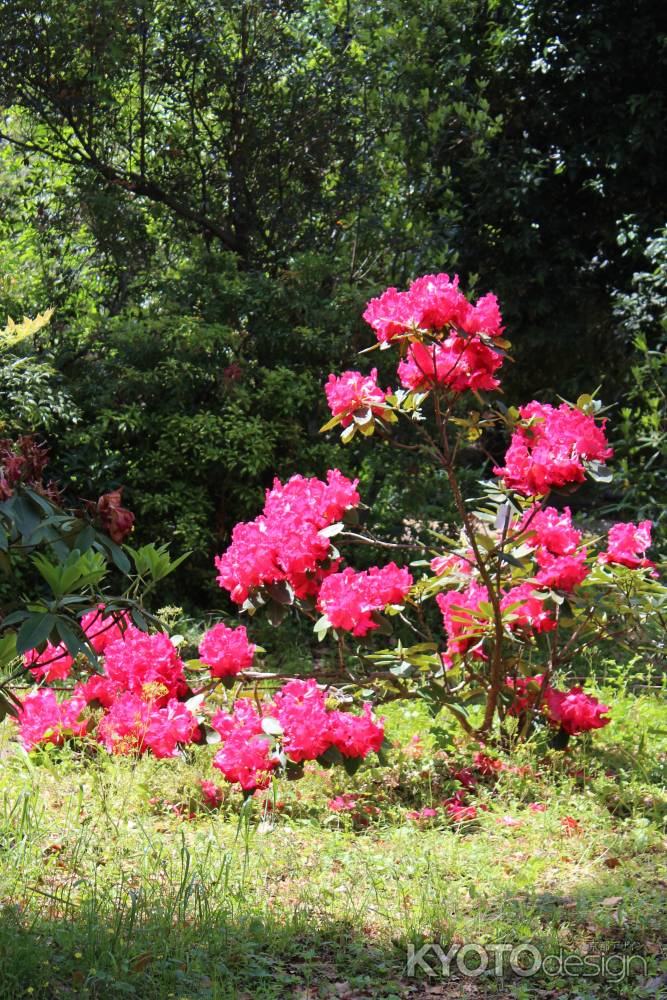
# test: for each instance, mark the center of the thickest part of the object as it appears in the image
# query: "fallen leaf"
(611, 901)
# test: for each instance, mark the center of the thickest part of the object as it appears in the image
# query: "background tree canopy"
(208, 193)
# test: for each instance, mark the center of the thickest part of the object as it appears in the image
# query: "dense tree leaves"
(207, 195)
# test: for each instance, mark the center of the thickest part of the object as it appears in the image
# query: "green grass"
(105, 891)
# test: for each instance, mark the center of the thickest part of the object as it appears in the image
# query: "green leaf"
(331, 423)
(34, 631)
(272, 727)
(352, 764)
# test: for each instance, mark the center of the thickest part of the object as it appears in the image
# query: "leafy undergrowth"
(118, 880)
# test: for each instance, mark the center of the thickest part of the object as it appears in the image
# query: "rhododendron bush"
(483, 619)
(516, 585)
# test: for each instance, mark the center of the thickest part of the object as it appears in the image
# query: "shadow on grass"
(146, 948)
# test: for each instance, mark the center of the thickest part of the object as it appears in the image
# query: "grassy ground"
(117, 881)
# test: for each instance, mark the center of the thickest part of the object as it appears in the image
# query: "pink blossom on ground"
(509, 821)
(420, 815)
(212, 793)
(570, 826)
(343, 803)
(537, 807)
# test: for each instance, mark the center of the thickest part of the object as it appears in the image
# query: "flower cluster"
(141, 691)
(460, 353)
(146, 665)
(133, 725)
(468, 616)
(574, 711)
(286, 542)
(558, 550)
(627, 544)
(549, 448)
(54, 663)
(348, 599)
(432, 303)
(226, 650)
(305, 727)
(44, 719)
(455, 363)
(352, 393)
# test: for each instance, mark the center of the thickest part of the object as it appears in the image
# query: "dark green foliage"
(208, 198)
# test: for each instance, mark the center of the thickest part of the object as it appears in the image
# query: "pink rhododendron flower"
(549, 447)
(53, 664)
(432, 302)
(226, 650)
(99, 689)
(306, 730)
(356, 735)
(509, 821)
(246, 762)
(530, 612)
(390, 315)
(353, 392)
(44, 719)
(133, 725)
(456, 363)
(146, 665)
(626, 545)
(101, 631)
(576, 711)
(537, 807)
(464, 629)
(284, 543)
(246, 756)
(300, 708)
(562, 563)
(442, 565)
(348, 599)
(526, 690)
